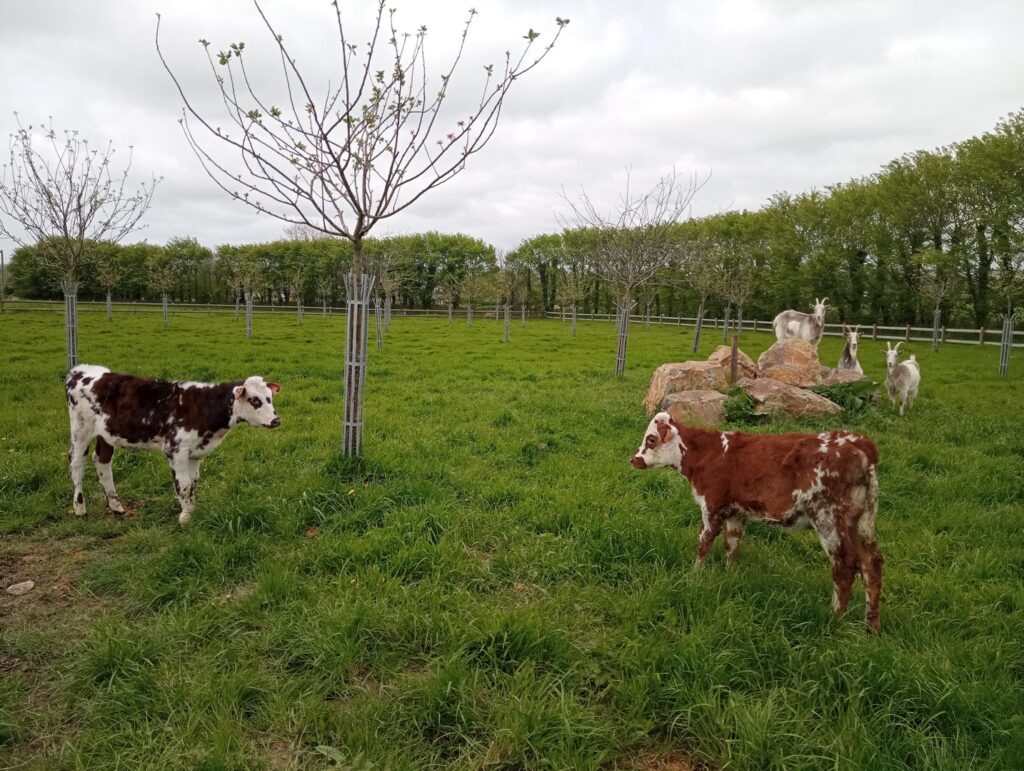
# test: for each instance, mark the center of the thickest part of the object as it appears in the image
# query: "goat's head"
(820, 306)
(892, 355)
(852, 338)
(662, 445)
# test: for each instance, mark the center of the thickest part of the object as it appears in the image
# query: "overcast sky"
(763, 95)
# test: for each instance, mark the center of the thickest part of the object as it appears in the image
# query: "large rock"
(773, 397)
(745, 366)
(684, 376)
(707, 407)
(791, 361)
(837, 376)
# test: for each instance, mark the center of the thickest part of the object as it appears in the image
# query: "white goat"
(848, 359)
(802, 326)
(903, 379)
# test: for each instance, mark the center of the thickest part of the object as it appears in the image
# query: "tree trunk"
(167, 320)
(248, 315)
(936, 321)
(507, 313)
(358, 291)
(469, 314)
(449, 313)
(325, 306)
(698, 325)
(574, 319)
(522, 321)
(110, 309)
(71, 322)
(298, 310)
(378, 323)
(387, 314)
(237, 298)
(739, 320)
(725, 325)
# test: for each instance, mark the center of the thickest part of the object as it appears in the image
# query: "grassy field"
(494, 585)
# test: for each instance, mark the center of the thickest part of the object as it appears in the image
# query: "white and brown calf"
(826, 481)
(185, 421)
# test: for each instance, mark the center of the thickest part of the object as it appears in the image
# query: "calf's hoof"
(184, 518)
(79, 505)
(115, 505)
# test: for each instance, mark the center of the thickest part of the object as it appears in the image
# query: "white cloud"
(770, 95)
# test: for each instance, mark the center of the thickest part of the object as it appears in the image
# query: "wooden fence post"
(874, 331)
(907, 338)
(981, 336)
(942, 335)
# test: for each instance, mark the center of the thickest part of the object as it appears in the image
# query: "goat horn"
(898, 345)
(823, 300)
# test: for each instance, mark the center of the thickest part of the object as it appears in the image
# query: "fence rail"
(905, 332)
(210, 309)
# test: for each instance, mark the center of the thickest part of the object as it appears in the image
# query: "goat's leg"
(735, 526)
(101, 459)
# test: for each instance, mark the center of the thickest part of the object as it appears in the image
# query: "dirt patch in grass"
(41, 626)
(55, 566)
(655, 761)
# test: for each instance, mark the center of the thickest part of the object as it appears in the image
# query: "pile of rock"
(694, 391)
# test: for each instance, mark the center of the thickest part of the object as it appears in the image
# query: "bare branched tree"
(632, 243)
(342, 158)
(66, 196)
(700, 268)
(162, 274)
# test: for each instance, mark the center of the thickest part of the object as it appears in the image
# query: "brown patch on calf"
(104, 451)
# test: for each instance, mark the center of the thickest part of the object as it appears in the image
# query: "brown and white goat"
(826, 481)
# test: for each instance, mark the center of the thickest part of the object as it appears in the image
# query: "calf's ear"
(239, 392)
(664, 431)
(274, 387)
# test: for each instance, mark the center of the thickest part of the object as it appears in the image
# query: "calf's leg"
(81, 436)
(734, 528)
(871, 573)
(709, 531)
(101, 459)
(184, 487)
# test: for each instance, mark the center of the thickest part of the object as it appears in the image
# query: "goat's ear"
(239, 392)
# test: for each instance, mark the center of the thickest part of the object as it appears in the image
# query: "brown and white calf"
(826, 481)
(185, 421)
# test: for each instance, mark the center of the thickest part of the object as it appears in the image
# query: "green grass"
(493, 585)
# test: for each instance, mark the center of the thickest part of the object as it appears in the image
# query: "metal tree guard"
(469, 314)
(698, 326)
(623, 336)
(725, 326)
(522, 321)
(1006, 344)
(248, 315)
(298, 310)
(110, 306)
(387, 314)
(449, 313)
(936, 320)
(358, 290)
(379, 319)
(71, 321)
(507, 310)
(573, 319)
(163, 299)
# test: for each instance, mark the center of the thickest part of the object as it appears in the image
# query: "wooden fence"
(905, 332)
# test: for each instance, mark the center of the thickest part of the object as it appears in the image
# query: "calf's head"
(254, 403)
(662, 445)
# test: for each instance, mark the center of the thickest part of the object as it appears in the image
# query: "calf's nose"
(639, 462)
(275, 422)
